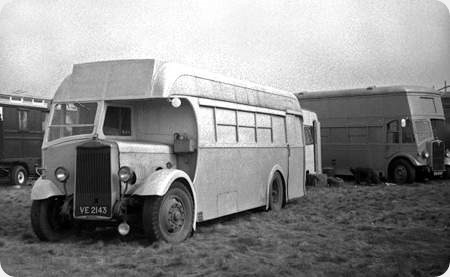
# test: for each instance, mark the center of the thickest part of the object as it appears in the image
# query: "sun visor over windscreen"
(126, 79)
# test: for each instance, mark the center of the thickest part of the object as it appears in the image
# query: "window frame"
(398, 132)
(132, 119)
(26, 127)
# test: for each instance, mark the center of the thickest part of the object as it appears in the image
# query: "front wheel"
(446, 174)
(48, 221)
(403, 172)
(169, 217)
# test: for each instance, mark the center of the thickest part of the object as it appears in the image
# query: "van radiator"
(93, 180)
(438, 152)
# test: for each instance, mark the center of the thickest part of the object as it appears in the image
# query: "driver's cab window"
(393, 132)
(117, 121)
(407, 132)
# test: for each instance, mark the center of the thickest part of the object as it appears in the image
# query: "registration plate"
(93, 210)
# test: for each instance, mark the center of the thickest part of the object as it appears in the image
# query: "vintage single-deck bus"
(396, 130)
(22, 120)
(313, 161)
(166, 146)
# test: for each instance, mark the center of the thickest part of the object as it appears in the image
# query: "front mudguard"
(44, 188)
(159, 183)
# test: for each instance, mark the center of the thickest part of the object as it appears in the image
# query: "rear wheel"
(276, 192)
(169, 217)
(48, 221)
(19, 175)
(402, 172)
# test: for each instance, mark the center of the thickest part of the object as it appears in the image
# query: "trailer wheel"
(402, 172)
(169, 217)
(19, 175)
(276, 192)
(47, 221)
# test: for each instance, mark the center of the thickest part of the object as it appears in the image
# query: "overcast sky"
(292, 45)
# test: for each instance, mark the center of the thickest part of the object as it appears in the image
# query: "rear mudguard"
(159, 183)
(43, 189)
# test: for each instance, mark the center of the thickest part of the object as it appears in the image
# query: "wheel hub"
(21, 177)
(400, 172)
(176, 216)
(275, 193)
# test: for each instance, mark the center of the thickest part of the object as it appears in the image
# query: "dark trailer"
(22, 120)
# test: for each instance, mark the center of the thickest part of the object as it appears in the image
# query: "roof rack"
(24, 101)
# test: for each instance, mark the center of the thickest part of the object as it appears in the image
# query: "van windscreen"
(423, 130)
(438, 126)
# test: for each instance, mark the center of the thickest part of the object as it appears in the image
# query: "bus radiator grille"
(93, 180)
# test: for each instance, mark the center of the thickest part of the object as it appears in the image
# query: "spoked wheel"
(276, 192)
(170, 217)
(19, 175)
(47, 220)
(402, 172)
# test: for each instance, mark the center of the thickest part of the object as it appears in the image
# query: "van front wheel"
(169, 217)
(402, 172)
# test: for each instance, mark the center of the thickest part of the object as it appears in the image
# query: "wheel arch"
(279, 169)
(43, 189)
(404, 157)
(160, 182)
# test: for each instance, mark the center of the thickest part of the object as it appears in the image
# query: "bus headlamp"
(127, 175)
(447, 154)
(425, 154)
(62, 174)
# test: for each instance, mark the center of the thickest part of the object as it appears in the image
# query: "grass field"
(346, 231)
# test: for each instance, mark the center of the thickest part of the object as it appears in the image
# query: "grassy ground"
(347, 231)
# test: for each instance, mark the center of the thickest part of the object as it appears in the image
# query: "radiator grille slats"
(438, 152)
(93, 180)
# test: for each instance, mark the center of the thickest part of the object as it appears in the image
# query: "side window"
(226, 126)
(117, 121)
(309, 135)
(264, 128)
(23, 120)
(246, 129)
(407, 132)
(393, 132)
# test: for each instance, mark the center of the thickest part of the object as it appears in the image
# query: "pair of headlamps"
(126, 174)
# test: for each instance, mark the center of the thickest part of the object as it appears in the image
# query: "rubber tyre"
(46, 221)
(19, 175)
(402, 172)
(446, 174)
(276, 193)
(169, 217)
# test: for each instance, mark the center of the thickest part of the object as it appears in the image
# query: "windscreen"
(72, 119)
(423, 130)
(438, 126)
